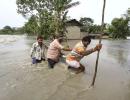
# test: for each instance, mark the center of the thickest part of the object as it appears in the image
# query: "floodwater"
(19, 80)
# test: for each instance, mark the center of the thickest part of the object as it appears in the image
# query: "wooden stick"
(102, 27)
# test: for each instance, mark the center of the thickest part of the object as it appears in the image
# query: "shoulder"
(79, 47)
(35, 44)
(54, 41)
(79, 44)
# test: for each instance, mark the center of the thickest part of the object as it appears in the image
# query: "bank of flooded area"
(20, 80)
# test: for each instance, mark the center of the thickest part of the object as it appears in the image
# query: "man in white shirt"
(37, 51)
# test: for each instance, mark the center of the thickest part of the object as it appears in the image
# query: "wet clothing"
(73, 63)
(54, 50)
(35, 61)
(37, 51)
(76, 55)
(53, 53)
(51, 63)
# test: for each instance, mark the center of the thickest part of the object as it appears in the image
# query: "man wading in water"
(78, 52)
(37, 51)
(54, 51)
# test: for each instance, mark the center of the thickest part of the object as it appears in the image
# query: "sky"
(87, 8)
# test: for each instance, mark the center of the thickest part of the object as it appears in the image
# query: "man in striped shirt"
(79, 51)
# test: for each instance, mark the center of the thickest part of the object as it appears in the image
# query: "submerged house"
(73, 29)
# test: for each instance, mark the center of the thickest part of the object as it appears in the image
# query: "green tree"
(19, 30)
(50, 14)
(60, 13)
(127, 14)
(95, 29)
(119, 28)
(86, 21)
(87, 24)
(7, 30)
(31, 27)
(41, 10)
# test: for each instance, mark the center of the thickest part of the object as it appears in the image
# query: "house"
(73, 29)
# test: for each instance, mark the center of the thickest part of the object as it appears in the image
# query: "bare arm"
(89, 52)
(96, 48)
(66, 49)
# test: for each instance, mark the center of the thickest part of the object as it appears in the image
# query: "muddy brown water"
(19, 80)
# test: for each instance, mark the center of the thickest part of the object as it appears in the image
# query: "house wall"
(73, 32)
(83, 34)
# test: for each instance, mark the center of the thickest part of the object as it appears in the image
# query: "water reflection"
(119, 51)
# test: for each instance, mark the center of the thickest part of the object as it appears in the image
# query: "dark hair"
(57, 36)
(39, 37)
(86, 39)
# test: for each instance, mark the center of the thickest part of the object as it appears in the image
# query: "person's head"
(86, 40)
(59, 38)
(40, 39)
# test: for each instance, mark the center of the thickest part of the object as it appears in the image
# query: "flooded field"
(19, 80)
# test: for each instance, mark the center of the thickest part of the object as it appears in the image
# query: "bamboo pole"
(102, 27)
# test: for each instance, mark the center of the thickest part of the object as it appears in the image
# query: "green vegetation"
(88, 26)
(46, 17)
(10, 30)
(7, 30)
(49, 17)
(119, 28)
